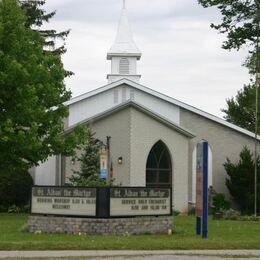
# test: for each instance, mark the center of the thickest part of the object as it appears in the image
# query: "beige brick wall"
(145, 132)
(133, 134)
(118, 127)
(224, 141)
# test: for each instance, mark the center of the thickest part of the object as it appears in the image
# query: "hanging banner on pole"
(202, 189)
(103, 163)
(199, 180)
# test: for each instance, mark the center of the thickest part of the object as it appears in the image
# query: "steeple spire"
(124, 53)
(124, 42)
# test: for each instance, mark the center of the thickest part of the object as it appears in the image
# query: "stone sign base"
(97, 226)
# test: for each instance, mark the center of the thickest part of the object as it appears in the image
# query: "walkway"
(136, 255)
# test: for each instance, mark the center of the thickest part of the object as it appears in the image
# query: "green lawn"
(222, 235)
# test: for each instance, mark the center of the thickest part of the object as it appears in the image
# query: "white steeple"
(124, 53)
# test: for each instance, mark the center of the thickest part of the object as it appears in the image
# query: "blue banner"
(103, 173)
(202, 189)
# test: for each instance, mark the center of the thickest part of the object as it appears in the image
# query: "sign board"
(63, 201)
(140, 201)
(103, 164)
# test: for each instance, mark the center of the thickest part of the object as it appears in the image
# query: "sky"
(181, 55)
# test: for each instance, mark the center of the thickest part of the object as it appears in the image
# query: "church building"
(153, 137)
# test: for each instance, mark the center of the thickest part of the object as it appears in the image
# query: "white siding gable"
(103, 101)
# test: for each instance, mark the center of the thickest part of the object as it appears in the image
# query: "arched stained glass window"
(158, 166)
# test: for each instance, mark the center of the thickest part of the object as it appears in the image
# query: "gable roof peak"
(161, 96)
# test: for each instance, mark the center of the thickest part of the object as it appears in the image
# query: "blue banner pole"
(205, 191)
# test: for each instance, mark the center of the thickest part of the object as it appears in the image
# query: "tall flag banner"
(202, 189)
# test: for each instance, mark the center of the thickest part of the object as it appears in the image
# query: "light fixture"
(73, 161)
(120, 160)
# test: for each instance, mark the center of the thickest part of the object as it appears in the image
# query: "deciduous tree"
(32, 93)
(240, 23)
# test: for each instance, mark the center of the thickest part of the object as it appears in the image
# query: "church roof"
(124, 43)
(163, 97)
(139, 107)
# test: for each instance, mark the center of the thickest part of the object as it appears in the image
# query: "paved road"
(135, 255)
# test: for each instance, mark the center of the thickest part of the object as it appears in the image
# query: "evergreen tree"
(32, 93)
(36, 16)
(89, 160)
(241, 181)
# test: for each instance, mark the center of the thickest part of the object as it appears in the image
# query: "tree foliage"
(32, 93)
(241, 108)
(89, 160)
(239, 21)
(36, 16)
(15, 189)
(240, 181)
(220, 203)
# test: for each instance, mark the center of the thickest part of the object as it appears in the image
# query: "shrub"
(175, 212)
(15, 188)
(219, 202)
(192, 211)
(3, 208)
(240, 181)
(231, 215)
(250, 218)
(13, 209)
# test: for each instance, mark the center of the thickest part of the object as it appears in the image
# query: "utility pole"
(256, 100)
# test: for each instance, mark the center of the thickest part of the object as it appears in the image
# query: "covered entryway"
(159, 166)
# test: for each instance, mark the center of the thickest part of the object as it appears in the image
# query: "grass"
(222, 235)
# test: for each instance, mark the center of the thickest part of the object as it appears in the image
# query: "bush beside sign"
(101, 202)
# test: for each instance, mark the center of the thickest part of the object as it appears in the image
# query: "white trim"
(163, 97)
